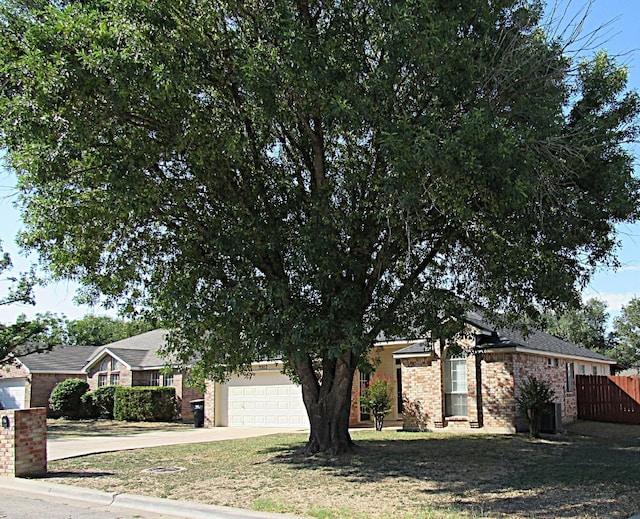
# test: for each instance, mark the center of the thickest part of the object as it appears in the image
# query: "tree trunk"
(328, 405)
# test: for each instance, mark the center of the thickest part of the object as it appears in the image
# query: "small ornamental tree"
(534, 399)
(376, 398)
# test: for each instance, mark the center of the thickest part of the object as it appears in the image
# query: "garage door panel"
(12, 393)
(266, 406)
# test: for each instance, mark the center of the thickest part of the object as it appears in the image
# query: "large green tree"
(290, 178)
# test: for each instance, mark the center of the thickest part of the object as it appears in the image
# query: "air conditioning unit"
(552, 419)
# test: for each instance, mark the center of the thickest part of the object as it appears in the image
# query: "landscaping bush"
(66, 398)
(99, 402)
(534, 398)
(416, 418)
(145, 404)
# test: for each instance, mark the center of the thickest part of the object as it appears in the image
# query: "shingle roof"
(536, 340)
(417, 348)
(61, 359)
(139, 352)
(500, 337)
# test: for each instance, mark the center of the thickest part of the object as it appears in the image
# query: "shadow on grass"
(75, 474)
(556, 476)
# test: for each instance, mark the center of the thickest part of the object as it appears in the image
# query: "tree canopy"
(25, 335)
(626, 331)
(291, 178)
(93, 330)
(585, 325)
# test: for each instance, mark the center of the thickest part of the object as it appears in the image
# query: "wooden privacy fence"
(608, 398)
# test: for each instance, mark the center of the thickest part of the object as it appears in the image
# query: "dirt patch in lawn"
(391, 475)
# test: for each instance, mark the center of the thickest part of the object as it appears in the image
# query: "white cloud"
(614, 302)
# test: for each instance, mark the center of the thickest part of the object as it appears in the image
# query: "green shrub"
(99, 402)
(534, 398)
(145, 404)
(66, 398)
(376, 398)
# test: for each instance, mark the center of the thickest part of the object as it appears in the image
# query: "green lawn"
(392, 475)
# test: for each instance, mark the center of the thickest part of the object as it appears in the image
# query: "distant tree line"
(586, 326)
(47, 330)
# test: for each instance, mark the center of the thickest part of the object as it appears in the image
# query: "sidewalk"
(70, 448)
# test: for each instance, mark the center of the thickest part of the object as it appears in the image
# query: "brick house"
(472, 381)
(466, 383)
(130, 362)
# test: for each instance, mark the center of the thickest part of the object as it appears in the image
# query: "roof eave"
(543, 353)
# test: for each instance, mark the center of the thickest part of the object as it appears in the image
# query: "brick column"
(210, 404)
(23, 442)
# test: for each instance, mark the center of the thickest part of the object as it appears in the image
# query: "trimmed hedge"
(145, 404)
(99, 402)
(66, 398)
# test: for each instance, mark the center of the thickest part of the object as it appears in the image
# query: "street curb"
(168, 507)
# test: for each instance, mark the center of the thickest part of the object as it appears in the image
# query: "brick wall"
(555, 375)
(498, 399)
(23, 444)
(421, 382)
(42, 385)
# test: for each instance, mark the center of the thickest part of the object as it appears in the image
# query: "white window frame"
(571, 377)
(455, 387)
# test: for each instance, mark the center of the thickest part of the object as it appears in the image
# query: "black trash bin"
(197, 406)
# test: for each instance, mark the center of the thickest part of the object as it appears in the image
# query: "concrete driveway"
(62, 448)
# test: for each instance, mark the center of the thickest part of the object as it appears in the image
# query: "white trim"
(99, 355)
(412, 355)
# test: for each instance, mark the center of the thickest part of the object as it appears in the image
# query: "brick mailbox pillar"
(23, 442)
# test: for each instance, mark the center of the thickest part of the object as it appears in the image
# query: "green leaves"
(290, 180)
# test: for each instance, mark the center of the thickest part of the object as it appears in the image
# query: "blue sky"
(620, 36)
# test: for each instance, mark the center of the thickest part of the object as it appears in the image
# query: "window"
(455, 387)
(115, 365)
(603, 370)
(114, 379)
(105, 365)
(168, 379)
(571, 379)
(583, 369)
(154, 378)
(102, 379)
(552, 362)
(594, 370)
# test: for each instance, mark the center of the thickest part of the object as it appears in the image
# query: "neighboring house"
(28, 382)
(467, 383)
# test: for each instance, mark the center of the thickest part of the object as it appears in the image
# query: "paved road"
(30, 506)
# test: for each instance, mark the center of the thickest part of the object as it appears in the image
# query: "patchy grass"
(61, 428)
(391, 475)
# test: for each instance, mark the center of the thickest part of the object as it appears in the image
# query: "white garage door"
(12, 393)
(271, 401)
